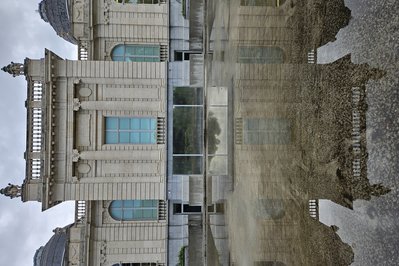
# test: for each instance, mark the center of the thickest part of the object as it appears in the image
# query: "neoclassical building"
(121, 131)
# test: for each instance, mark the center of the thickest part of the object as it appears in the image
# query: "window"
(188, 136)
(134, 210)
(260, 55)
(137, 1)
(135, 264)
(275, 3)
(267, 131)
(130, 130)
(179, 208)
(136, 53)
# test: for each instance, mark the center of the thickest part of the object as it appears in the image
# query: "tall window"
(187, 130)
(130, 130)
(137, 1)
(261, 55)
(275, 3)
(267, 131)
(136, 53)
(136, 264)
(134, 210)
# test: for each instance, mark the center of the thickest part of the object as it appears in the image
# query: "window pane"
(116, 214)
(116, 204)
(111, 123)
(187, 130)
(134, 137)
(137, 203)
(128, 203)
(153, 124)
(124, 137)
(124, 123)
(138, 214)
(187, 96)
(111, 137)
(118, 50)
(148, 203)
(145, 138)
(128, 215)
(148, 213)
(184, 165)
(135, 123)
(145, 123)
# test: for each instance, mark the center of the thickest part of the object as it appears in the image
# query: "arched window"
(134, 210)
(136, 53)
(275, 3)
(261, 55)
(137, 1)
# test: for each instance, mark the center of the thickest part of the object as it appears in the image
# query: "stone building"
(120, 131)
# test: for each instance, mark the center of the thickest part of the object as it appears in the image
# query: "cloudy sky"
(23, 227)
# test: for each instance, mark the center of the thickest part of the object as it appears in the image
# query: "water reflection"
(294, 132)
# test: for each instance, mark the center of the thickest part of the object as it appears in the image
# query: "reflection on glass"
(187, 130)
(187, 96)
(186, 165)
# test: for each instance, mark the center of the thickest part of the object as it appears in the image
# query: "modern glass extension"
(187, 130)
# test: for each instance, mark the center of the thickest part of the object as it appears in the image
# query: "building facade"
(160, 153)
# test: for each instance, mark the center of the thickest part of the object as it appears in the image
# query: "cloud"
(23, 227)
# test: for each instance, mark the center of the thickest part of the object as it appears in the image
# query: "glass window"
(134, 210)
(267, 131)
(136, 53)
(275, 3)
(260, 55)
(187, 96)
(137, 1)
(187, 165)
(187, 130)
(130, 130)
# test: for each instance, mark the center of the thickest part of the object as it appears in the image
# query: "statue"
(15, 69)
(11, 191)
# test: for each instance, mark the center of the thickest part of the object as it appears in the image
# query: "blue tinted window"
(136, 53)
(130, 130)
(132, 210)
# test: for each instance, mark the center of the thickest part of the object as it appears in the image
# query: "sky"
(23, 227)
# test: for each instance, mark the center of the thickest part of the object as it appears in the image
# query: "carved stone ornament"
(11, 191)
(76, 104)
(15, 69)
(75, 155)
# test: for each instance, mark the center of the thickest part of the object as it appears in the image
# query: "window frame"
(127, 209)
(153, 130)
(122, 56)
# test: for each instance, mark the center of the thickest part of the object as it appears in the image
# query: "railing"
(312, 57)
(35, 130)
(164, 53)
(161, 130)
(162, 210)
(314, 209)
(83, 53)
(80, 210)
(238, 131)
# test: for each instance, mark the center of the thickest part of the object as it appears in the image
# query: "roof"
(53, 253)
(57, 13)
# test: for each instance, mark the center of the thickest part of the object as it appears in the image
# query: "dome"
(53, 253)
(56, 13)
